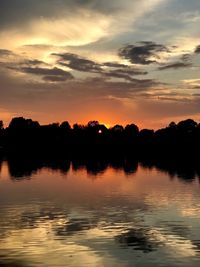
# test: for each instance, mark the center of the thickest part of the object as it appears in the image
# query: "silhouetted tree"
(172, 125)
(131, 129)
(92, 123)
(65, 126)
(186, 125)
(1, 125)
(117, 128)
(28, 136)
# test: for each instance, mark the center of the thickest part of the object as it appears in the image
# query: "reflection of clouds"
(128, 217)
(138, 239)
(74, 226)
(41, 248)
(178, 244)
(191, 211)
(149, 240)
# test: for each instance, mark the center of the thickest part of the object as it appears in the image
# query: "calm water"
(70, 216)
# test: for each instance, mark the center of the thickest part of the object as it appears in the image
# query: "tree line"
(27, 137)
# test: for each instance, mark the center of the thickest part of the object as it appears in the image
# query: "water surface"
(78, 215)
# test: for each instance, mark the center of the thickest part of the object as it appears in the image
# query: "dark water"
(53, 216)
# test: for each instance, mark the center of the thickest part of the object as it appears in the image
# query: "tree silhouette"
(25, 136)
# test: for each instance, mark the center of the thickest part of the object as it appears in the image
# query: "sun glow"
(106, 124)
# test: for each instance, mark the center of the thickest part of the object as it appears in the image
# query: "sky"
(118, 62)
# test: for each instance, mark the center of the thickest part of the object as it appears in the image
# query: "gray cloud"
(56, 74)
(33, 62)
(176, 65)
(54, 78)
(5, 52)
(131, 71)
(116, 70)
(78, 63)
(123, 69)
(123, 74)
(123, 89)
(197, 50)
(18, 12)
(186, 57)
(142, 52)
(114, 65)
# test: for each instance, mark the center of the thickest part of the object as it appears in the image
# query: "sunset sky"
(117, 61)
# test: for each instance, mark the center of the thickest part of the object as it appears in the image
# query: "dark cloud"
(196, 94)
(18, 12)
(145, 83)
(32, 66)
(34, 62)
(115, 70)
(144, 53)
(131, 71)
(123, 69)
(176, 65)
(178, 99)
(186, 57)
(76, 62)
(5, 52)
(114, 65)
(197, 49)
(56, 74)
(123, 74)
(55, 78)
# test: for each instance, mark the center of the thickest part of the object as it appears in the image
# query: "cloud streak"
(176, 65)
(49, 74)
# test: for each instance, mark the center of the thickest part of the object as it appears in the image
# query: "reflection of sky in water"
(56, 219)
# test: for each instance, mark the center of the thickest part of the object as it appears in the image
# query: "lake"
(101, 215)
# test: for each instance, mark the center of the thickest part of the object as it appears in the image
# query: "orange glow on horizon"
(109, 119)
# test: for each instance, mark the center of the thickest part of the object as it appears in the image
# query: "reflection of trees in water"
(185, 170)
(24, 168)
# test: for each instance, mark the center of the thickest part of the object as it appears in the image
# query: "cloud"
(112, 70)
(124, 74)
(197, 50)
(119, 68)
(18, 12)
(76, 62)
(186, 57)
(33, 66)
(191, 83)
(176, 65)
(131, 71)
(91, 32)
(5, 52)
(103, 87)
(67, 22)
(33, 62)
(144, 53)
(54, 78)
(75, 29)
(53, 74)
(114, 65)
